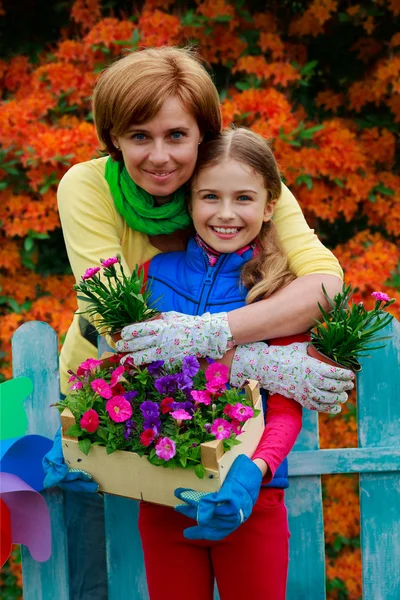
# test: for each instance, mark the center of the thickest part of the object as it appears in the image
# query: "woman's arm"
(289, 311)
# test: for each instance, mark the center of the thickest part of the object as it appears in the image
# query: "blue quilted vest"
(186, 283)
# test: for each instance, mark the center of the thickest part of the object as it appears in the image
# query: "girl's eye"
(243, 198)
(139, 137)
(177, 135)
(210, 197)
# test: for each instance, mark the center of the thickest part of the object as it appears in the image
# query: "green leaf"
(200, 471)
(84, 446)
(74, 431)
(28, 244)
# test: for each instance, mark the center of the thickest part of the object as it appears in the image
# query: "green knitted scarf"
(137, 207)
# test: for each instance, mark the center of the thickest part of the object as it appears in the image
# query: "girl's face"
(229, 205)
(160, 155)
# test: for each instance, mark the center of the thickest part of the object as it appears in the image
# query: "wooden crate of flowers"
(142, 433)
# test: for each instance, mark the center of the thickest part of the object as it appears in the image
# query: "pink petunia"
(228, 410)
(119, 409)
(101, 388)
(215, 387)
(89, 365)
(165, 448)
(78, 385)
(91, 272)
(236, 427)
(181, 415)
(108, 262)
(217, 374)
(116, 375)
(221, 428)
(242, 413)
(90, 420)
(380, 296)
(202, 396)
(147, 437)
(72, 378)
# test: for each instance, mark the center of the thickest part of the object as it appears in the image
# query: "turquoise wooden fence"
(377, 460)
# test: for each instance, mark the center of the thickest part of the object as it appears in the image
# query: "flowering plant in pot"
(114, 299)
(349, 331)
(164, 415)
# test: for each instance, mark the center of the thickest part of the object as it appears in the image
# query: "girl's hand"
(174, 336)
(218, 514)
(288, 370)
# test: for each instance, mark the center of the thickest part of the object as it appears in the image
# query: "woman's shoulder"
(87, 172)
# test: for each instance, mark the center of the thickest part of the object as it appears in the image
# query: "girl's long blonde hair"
(268, 270)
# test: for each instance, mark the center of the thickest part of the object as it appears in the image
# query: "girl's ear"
(269, 211)
(114, 140)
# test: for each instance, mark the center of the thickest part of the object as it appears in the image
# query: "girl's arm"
(294, 308)
(289, 311)
(282, 426)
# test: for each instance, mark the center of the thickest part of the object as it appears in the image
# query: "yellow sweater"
(93, 229)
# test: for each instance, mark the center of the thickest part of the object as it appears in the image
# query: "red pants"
(250, 564)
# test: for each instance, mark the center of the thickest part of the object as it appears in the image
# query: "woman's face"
(160, 155)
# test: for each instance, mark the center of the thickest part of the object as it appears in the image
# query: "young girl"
(236, 257)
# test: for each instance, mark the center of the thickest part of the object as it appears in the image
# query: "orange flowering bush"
(320, 78)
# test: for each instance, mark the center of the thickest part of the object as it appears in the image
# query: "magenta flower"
(116, 375)
(181, 415)
(221, 428)
(90, 420)
(108, 262)
(89, 365)
(165, 448)
(91, 272)
(242, 413)
(201, 396)
(380, 296)
(217, 374)
(78, 385)
(236, 427)
(119, 409)
(101, 388)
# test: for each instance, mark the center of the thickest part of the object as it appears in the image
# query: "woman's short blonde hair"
(132, 90)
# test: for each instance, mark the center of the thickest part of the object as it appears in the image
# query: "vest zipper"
(212, 271)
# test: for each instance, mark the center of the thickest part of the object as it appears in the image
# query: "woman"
(152, 109)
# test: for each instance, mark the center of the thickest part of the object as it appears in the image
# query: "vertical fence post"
(304, 501)
(35, 355)
(379, 425)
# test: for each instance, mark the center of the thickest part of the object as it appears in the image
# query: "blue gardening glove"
(218, 514)
(58, 473)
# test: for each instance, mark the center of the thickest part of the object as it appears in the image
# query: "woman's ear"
(114, 140)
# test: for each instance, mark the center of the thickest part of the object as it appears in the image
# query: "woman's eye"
(177, 135)
(139, 137)
(243, 198)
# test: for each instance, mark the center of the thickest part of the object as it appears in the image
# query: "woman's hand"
(289, 371)
(174, 336)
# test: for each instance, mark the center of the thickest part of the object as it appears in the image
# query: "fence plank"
(379, 425)
(304, 501)
(35, 355)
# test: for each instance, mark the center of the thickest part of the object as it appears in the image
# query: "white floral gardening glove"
(176, 335)
(289, 371)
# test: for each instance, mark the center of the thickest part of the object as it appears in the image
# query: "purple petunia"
(130, 395)
(149, 408)
(156, 368)
(166, 385)
(184, 382)
(129, 427)
(152, 422)
(187, 405)
(190, 366)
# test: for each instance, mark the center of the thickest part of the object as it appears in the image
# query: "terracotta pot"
(314, 353)
(116, 335)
